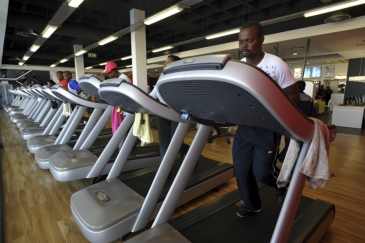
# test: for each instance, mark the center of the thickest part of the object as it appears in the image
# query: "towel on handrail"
(67, 110)
(315, 165)
(142, 129)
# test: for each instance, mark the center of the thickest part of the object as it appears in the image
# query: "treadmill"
(83, 163)
(25, 107)
(55, 132)
(94, 132)
(215, 89)
(33, 106)
(16, 102)
(111, 208)
(45, 114)
(76, 116)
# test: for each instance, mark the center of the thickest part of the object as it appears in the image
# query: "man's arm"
(79, 91)
(292, 92)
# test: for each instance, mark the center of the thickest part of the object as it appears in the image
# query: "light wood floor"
(36, 207)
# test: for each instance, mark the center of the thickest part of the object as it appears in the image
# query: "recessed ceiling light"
(307, 63)
(328, 61)
(294, 54)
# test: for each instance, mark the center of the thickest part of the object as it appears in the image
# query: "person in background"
(322, 92)
(63, 82)
(306, 106)
(50, 83)
(255, 149)
(328, 94)
(167, 128)
(111, 70)
(26, 84)
(73, 85)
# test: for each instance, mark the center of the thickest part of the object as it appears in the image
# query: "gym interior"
(82, 184)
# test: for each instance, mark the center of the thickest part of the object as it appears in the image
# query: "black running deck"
(221, 224)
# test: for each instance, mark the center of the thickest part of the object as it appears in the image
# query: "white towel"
(67, 110)
(315, 164)
(142, 130)
(288, 164)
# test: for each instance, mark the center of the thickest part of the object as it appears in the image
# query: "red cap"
(109, 66)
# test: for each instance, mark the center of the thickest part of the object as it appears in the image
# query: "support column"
(139, 59)
(52, 76)
(79, 63)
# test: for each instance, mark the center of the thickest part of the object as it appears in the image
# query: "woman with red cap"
(111, 69)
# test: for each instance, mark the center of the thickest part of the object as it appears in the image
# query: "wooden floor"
(36, 207)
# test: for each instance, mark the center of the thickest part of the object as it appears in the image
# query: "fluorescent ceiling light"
(125, 58)
(75, 3)
(88, 67)
(107, 40)
(162, 49)
(20, 63)
(63, 60)
(26, 58)
(34, 48)
(128, 66)
(224, 33)
(163, 14)
(49, 31)
(102, 64)
(333, 7)
(79, 53)
(53, 65)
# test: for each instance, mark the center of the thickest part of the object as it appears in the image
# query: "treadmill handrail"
(138, 101)
(65, 95)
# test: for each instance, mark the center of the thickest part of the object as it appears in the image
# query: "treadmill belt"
(226, 226)
(206, 169)
(136, 153)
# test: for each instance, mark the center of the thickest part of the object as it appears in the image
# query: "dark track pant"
(254, 156)
(166, 130)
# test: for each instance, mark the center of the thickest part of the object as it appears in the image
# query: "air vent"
(26, 32)
(338, 17)
(14, 59)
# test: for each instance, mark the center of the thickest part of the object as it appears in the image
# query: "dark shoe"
(280, 194)
(244, 212)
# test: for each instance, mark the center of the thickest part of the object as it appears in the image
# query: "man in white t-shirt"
(255, 149)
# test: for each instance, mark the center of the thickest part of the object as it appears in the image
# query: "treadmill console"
(114, 82)
(210, 62)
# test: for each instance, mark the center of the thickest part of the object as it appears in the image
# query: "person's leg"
(285, 150)
(164, 135)
(184, 147)
(242, 154)
(264, 165)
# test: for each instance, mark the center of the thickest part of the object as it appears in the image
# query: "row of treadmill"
(134, 186)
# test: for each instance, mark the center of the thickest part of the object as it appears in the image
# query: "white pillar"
(79, 63)
(53, 76)
(139, 59)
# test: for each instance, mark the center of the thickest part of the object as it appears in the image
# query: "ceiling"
(94, 20)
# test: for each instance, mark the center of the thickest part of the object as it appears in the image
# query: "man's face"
(59, 76)
(113, 74)
(250, 42)
(167, 62)
(67, 76)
